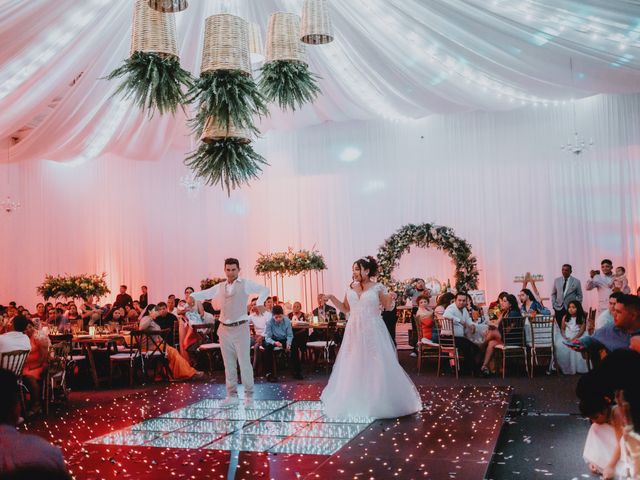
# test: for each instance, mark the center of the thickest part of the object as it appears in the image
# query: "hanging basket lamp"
(152, 74)
(226, 90)
(168, 6)
(316, 23)
(286, 78)
(225, 157)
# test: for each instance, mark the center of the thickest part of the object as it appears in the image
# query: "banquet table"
(89, 344)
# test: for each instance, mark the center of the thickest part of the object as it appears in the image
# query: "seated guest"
(617, 336)
(417, 290)
(573, 327)
(20, 452)
(40, 312)
(323, 310)
(118, 315)
(457, 312)
(443, 302)
(179, 367)
(297, 315)
(166, 319)
(172, 305)
(529, 305)
(122, 299)
(615, 379)
(259, 319)
(36, 364)
(15, 338)
(279, 333)
(602, 445)
(73, 316)
(132, 316)
(424, 320)
(606, 317)
(508, 308)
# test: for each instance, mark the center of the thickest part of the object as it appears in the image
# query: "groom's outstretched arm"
(253, 288)
(207, 294)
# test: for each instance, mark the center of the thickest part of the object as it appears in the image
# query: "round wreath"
(428, 235)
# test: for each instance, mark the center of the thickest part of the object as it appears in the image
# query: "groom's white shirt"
(232, 299)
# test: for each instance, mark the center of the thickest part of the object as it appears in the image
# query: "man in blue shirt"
(610, 337)
(279, 333)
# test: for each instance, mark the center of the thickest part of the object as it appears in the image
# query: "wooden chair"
(426, 348)
(326, 347)
(55, 380)
(14, 361)
(591, 321)
(514, 343)
(542, 331)
(153, 349)
(208, 346)
(447, 344)
(128, 356)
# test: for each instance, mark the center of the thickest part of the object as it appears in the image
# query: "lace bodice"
(368, 303)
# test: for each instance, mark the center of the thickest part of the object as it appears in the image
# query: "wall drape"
(499, 179)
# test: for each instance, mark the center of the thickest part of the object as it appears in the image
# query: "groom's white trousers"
(235, 345)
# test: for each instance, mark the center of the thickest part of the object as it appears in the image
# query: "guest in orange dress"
(179, 367)
(36, 364)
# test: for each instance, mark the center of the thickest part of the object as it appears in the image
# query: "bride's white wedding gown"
(367, 379)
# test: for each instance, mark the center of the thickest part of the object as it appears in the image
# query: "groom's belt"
(235, 324)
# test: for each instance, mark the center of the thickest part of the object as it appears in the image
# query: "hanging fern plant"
(231, 96)
(228, 162)
(153, 81)
(289, 84)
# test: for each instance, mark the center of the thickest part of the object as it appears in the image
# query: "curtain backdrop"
(499, 179)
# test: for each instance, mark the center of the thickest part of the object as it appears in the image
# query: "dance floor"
(181, 431)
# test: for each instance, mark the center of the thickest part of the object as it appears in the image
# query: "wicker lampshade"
(256, 47)
(168, 6)
(283, 41)
(152, 31)
(214, 131)
(226, 44)
(316, 23)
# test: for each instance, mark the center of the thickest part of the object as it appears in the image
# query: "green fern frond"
(288, 83)
(154, 82)
(231, 96)
(229, 163)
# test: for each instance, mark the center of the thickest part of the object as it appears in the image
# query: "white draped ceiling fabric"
(98, 180)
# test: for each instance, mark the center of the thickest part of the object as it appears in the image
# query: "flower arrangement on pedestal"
(289, 263)
(427, 235)
(73, 286)
(210, 282)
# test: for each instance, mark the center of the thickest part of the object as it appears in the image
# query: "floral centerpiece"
(74, 286)
(290, 262)
(210, 282)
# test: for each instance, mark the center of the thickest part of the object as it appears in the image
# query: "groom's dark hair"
(232, 261)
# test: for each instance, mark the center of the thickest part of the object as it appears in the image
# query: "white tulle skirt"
(367, 380)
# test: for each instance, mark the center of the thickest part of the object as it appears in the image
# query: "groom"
(232, 297)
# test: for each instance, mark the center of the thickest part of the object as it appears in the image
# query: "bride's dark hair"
(368, 263)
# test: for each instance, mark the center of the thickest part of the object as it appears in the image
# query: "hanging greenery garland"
(423, 236)
(228, 162)
(152, 74)
(289, 84)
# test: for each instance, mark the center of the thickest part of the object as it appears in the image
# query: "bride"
(367, 379)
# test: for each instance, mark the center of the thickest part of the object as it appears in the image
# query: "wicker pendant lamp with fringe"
(227, 100)
(152, 75)
(168, 6)
(316, 23)
(286, 78)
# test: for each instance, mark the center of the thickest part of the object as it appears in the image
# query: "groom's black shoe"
(271, 377)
